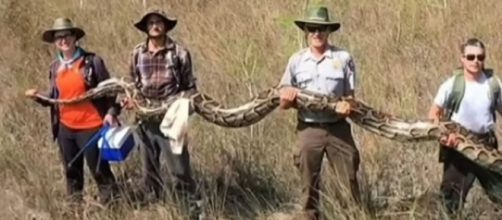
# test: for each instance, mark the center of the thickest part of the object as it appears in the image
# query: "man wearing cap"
(73, 72)
(329, 70)
(162, 68)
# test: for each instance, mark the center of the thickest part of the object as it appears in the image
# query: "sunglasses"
(471, 57)
(313, 29)
(152, 22)
(61, 36)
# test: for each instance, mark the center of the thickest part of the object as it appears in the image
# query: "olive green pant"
(336, 141)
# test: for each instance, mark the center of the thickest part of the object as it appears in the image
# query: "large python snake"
(265, 102)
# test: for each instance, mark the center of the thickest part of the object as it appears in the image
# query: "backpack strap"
(172, 56)
(89, 75)
(137, 76)
(458, 89)
(457, 93)
(344, 81)
(136, 53)
(53, 69)
(494, 90)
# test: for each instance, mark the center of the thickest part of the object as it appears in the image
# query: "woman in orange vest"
(72, 73)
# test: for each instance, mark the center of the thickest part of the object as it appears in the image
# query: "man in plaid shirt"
(162, 68)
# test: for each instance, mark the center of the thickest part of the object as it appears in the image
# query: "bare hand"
(127, 103)
(343, 108)
(111, 120)
(287, 97)
(31, 93)
(449, 141)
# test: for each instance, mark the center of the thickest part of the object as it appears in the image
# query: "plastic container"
(116, 143)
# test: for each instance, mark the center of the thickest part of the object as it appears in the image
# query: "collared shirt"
(79, 52)
(332, 74)
(163, 73)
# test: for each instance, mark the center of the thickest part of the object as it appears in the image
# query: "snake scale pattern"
(265, 102)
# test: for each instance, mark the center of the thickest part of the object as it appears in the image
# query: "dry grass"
(403, 50)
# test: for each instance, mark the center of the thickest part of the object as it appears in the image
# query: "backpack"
(455, 98)
(171, 58)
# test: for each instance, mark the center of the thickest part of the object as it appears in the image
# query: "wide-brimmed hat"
(62, 24)
(318, 16)
(169, 21)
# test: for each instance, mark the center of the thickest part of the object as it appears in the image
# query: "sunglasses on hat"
(313, 29)
(62, 35)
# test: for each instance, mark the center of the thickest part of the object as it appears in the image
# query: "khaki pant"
(334, 139)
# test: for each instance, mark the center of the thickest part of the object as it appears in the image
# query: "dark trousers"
(459, 174)
(70, 142)
(179, 165)
(336, 141)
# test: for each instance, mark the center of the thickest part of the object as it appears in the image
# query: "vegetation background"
(403, 50)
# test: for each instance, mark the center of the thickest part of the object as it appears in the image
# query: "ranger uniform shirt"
(332, 74)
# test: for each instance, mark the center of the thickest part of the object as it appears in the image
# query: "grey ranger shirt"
(332, 74)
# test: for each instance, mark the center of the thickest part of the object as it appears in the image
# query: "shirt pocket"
(303, 79)
(334, 81)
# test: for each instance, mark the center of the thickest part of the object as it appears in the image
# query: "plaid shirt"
(163, 73)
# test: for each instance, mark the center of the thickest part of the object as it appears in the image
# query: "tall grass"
(403, 50)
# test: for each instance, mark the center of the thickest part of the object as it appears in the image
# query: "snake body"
(265, 102)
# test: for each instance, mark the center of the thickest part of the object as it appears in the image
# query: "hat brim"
(48, 35)
(332, 26)
(142, 26)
